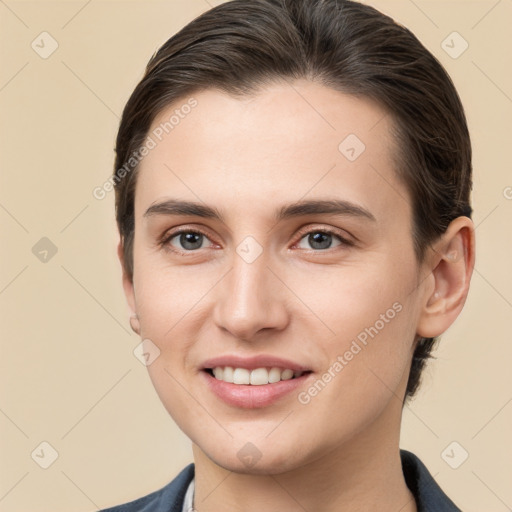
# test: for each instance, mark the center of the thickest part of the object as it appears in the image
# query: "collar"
(427, 493)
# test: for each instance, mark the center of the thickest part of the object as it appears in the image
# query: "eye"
(184, 241)
(187, 241)
(322, 239)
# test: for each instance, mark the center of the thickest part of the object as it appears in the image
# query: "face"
(297, 256)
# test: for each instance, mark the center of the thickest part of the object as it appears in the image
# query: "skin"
(247, 157)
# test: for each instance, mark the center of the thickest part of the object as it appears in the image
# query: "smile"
(253, 388)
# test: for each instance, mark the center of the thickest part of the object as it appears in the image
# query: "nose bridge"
(249, 280)
(249, 299)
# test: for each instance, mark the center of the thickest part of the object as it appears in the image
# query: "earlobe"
(452, 259)
(135, 324)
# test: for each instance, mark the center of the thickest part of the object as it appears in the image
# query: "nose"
(250, 300)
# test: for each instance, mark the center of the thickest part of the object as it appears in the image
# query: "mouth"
(254, 377)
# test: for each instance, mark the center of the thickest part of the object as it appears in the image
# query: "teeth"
(241, 376)
(257, 377)
(274, 375)
(287, 374)
(227, 374)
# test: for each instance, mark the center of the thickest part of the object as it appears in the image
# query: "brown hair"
(241, 45)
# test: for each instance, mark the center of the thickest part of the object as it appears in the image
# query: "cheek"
(167, 305)
(367, 321)
(348, 299)
(172, 306)
(366, 371)
(168, 297)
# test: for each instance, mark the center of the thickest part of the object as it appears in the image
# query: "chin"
(273, 465)
(260, 457)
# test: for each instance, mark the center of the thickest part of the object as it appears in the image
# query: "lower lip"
(252, 397)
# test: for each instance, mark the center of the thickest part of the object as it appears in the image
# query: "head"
(259, 105)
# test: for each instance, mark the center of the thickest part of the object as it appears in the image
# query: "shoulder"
(167, 499)
(429, 496)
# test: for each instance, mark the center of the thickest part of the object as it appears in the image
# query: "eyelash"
(164, 242)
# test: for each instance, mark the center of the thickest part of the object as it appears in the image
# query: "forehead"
(286, 141)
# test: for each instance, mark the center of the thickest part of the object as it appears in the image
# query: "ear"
(452, 259)
(128, 288)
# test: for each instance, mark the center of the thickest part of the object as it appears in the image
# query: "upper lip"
(253, 362)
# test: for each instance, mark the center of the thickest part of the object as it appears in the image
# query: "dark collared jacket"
(429, 496)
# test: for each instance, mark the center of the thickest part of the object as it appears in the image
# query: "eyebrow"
(297, 209)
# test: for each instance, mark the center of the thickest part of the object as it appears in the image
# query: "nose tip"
(249, 300)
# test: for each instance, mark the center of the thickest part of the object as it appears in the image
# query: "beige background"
(68, 374)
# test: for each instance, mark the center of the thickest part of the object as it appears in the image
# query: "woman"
(292, 195)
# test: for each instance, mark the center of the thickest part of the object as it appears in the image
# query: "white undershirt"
(189, 498)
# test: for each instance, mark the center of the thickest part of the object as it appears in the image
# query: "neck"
(363, 474)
